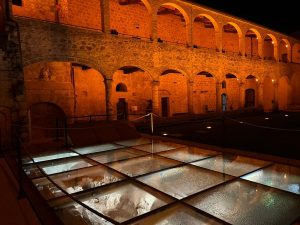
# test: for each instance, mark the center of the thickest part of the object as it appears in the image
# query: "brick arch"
(296, 52)
(212, 20)
(145, 69)
(180, 32)
(176, 70)
(275, 46)
(287, 49)
(180, 9)
(148, 6)
(87, 62)
(257, 42)
(238, 29)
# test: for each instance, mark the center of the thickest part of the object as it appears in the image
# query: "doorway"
(122, 109)
(224, 102)
(165, 106)
(250, 98)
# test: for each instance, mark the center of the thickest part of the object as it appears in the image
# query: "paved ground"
(268, 133)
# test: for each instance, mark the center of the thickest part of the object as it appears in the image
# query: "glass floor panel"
(87, 178)
(47, 189)
(233, 165)
(246, 203)
(64, 165)
(158, 147)
(124, 201)
(97, 148)
(142, 165)
(116, 155)
(188, 154)
(72, 213)
(279, 176)
(183, 181)
(134, 142)
(53, 155)
(177, 215)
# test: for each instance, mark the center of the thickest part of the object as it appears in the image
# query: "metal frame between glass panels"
(125, 179)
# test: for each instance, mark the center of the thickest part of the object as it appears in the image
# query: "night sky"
(277, 15)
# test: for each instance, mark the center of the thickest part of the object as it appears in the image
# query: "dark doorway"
(122, 109)
(44, 118)
(250, 98)
(165, 106)
(224, 102)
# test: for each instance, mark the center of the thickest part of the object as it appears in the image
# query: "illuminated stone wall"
(131, 19)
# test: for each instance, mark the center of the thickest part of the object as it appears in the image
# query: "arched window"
(121, 88)
(223, 84)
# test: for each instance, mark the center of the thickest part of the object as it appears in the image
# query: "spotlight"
(241, 122)
(286, 115)
(208, 127)
(165, 134)
(273, 80)
(266, 118)
(256, 80)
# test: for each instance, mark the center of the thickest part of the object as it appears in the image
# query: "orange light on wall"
(256, 80)
(272, 42)
(286, 46)
(273, 80)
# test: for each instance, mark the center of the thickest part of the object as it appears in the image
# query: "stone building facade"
(78, 58)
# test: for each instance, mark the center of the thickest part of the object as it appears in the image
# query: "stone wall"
(171, 28)
(139, 91)
(204, 37)
(174, 86)
(204, 94)
(131, 19)
(100, 51)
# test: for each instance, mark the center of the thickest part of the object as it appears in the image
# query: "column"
(189, 34)
(218, 96)
(242, 95)
(190, 93)
(108, 98)
(242, 45)
(219, 44)
(276, 84)
(155, 97)
(154, 27)
(260, 94)
(105, 16)
(260, 48)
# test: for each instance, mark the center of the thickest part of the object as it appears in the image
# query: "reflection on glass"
(51, 156)
(72, 213)
(188, 154)
(142, 165)
(234, 165)
(123, 201)
(97, 148)
(65, 165)
(183, 181)
(177, 215)
(279, 176)
(134, 142)
(47, 189)
(32, 171)
(87, 178)
(115, 155)
(242, 202)
(158, 147)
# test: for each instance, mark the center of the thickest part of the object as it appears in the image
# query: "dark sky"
(282, 16)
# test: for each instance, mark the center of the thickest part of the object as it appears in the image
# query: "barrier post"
(56, 130)
(66, 133)
(151, 119)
